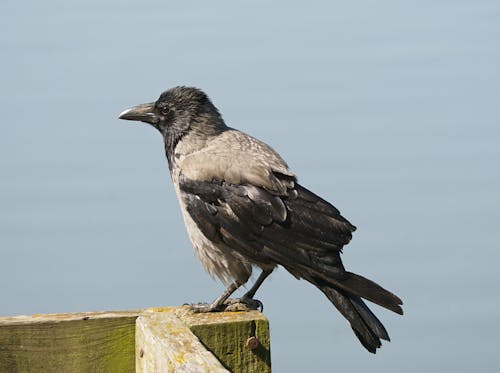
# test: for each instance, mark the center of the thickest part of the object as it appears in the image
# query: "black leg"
(264, 274)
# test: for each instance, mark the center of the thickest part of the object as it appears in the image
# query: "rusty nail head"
(252, 343)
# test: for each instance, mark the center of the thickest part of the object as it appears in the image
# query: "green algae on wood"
(83, 342)
(169, 339)
(226, 334)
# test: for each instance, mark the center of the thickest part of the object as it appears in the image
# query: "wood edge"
(61, 317)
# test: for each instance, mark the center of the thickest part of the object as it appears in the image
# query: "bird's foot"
(243, 304)
(206, 307)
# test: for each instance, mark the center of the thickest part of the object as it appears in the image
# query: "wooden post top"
(164, 339)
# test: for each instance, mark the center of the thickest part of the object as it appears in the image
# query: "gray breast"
(218, 259)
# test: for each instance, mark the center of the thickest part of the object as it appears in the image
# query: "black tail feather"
(365, 325)
(358, 285)
(346, 296)
(369, 318)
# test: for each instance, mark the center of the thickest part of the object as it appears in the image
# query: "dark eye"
(164, 109)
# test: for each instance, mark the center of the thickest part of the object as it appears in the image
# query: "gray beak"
(142, 113)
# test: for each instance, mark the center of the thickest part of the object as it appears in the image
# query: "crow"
(243, 208)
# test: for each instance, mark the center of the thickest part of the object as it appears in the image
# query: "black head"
(177, 111)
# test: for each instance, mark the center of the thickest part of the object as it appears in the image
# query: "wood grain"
(171, 339)
(83, 342)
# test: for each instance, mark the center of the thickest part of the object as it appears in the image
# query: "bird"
(244, 209)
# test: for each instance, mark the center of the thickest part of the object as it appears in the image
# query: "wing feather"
(297, 229)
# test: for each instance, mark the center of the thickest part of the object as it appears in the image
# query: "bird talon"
(204, 307)
(259, 305)
(243, 304)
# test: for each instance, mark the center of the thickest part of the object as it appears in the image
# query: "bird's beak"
(143, 113)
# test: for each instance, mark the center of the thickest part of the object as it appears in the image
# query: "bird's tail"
(346, 296)
(358, 285)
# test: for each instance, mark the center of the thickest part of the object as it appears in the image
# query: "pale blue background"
(388, 109)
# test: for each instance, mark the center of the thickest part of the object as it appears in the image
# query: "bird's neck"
(179, 144)
(171, 140)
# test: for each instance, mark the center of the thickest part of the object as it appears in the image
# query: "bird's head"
(177, 111)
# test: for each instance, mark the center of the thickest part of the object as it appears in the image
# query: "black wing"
(299, 230)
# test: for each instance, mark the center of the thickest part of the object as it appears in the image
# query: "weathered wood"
(165, 344)
(225, 334)
(154, 340)
(83, 342)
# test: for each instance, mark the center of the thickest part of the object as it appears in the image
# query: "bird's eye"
(164, 109)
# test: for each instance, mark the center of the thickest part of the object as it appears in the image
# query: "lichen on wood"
(172, 339)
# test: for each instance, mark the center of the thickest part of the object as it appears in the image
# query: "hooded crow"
(243, 208)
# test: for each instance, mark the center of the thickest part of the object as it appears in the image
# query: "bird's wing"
(294, 227)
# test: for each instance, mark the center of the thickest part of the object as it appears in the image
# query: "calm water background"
(389, 110)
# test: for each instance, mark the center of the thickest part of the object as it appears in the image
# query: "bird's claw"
(230, 305)
(243, 304)
(204, 307)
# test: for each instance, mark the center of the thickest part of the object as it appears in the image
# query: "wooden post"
(154, 340)
(81, 342)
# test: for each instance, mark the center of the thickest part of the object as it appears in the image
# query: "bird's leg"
(217, 304)
(263, 275)
(246, 302)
